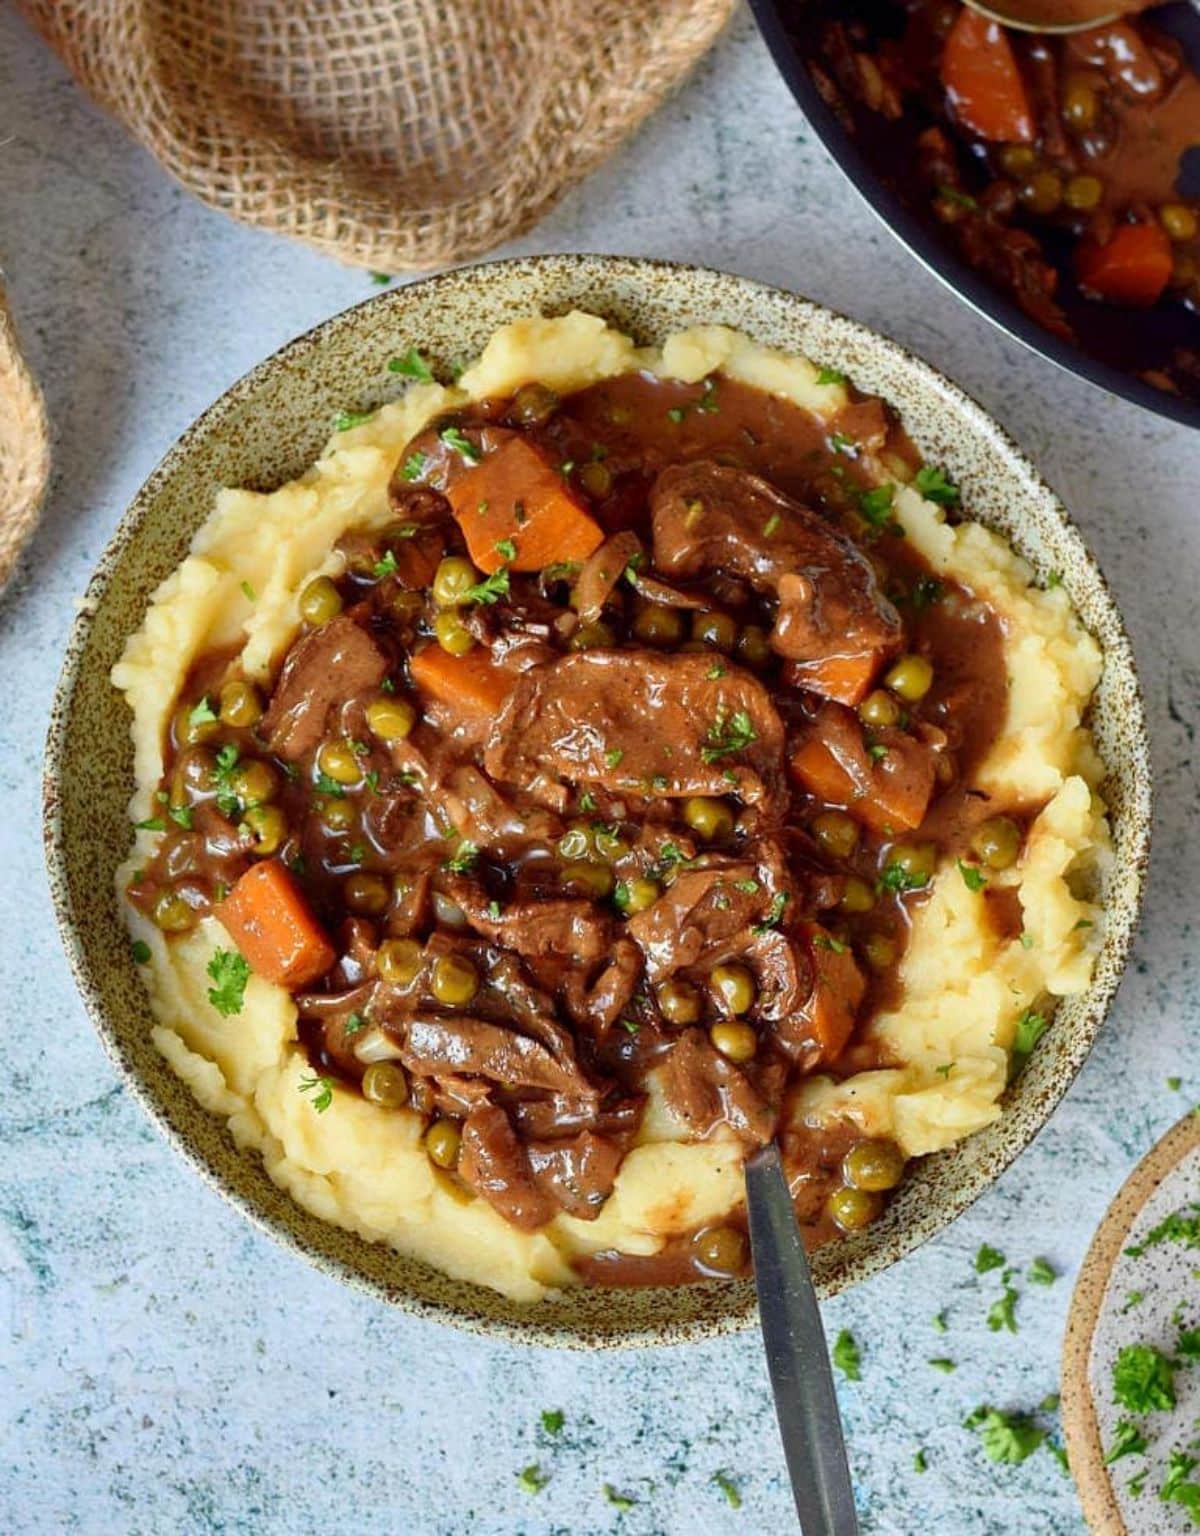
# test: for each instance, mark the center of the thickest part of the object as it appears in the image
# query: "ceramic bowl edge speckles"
(266, 430)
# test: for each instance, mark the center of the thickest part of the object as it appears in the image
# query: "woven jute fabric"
(24, 448)
(394, 134)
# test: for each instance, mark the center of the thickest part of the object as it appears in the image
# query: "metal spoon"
(797, 1358)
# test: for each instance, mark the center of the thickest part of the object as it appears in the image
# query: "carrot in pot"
(847, 679)
(469, 685)
(983, 81)
(516, 509)
(838, 989)
(269, 919)
(890, 793)
(1132, 267)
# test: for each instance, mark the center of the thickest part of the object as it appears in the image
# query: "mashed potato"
(965, 987)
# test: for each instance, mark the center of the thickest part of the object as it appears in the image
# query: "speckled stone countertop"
(167, 1369)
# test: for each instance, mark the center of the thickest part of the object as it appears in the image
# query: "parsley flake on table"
(847, 1356)
(1042, 1272)
(1007, 1437)
(988, 1258)
(1174, 1084)
(621, 1501)
(553, 1420)
(1002, 1314)
(941, 1363)
(933, 483)
(532, 1479)
(726, 736)
(454, 438)
(412, 365)
(1143, 1379)
(973, 878)
(920, 1461)
(321, 1089)
(1128, 1440)
(229, 973)
(939, 1323)
(729, 1488)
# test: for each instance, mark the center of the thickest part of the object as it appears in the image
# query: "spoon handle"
(805, 1401)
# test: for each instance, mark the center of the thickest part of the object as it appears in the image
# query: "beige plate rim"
(1080, 1426)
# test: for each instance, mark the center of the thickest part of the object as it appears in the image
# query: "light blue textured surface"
(165, 1368)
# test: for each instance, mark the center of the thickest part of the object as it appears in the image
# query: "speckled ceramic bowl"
(266, 430)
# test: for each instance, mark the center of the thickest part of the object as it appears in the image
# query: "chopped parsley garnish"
(945, 1069)
(1006, 1437)
(229, 972)
(532, 1479)
(453, 438)
(896, 878)
(1134, 1299)
(1031, 1027)
(944, 1365)
(827, 941)
(621, 896)
(464, 859)
(988, 1258)
(506, 548)
(621, 1501)
(1143, 1379)
(1042, 1272)
(773, 918)
(920, 1461)
(490, 590)
(1128, 1440)
(1179, 1227)
(974, 879)
(565, 469)
(747, 887)
(933, 484)
(329, 787)
(380, 279)
(493, 908)
(708, 400)
(840, 443)
(724, 737)
(613, 756)
(181, 815)
(140, 951)
(1002, 1314)
(354, 1024)
(771, 526)
(876, 505)
(939, 1323)
(356, 853)
(387, 565)
(960, 199)
(321, 1089)
(715, 671)
(248, 592)
(830, 376)
(345, 421)
(587, 801)
(1053, 580)
(729, 1488)
(202, 713)
(151, 824)
(675, 414)
(877, 751)
(414, 466)
(227, 761)
(371, 780)
(552, 1420)
(630, 1026)
(1176, 1490)
(412, 365)
(847, 1356)
(926, 591)
(1174, 1084)
(1187, 1345)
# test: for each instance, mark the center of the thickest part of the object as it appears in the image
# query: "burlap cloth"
(394, 134)
(24, 448)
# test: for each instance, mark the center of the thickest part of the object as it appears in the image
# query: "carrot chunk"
(1132, 267)
(517, 500)
(838, 989)
(269, 919)
(888, 794)
(983, 80)
(468, 685)
(847, 679)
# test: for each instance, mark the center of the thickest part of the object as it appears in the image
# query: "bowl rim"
(523, 1326)
(933, 254)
